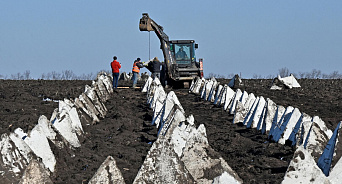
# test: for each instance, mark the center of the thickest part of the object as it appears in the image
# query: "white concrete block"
(228, 97)
(278, 128)
(236, 98)
(94, 99)
(271, 108)
(39, 144)
(257, 112)
(295, 116)
(162, 165)
(277, 118)
(108, 172)
(35, 173)
(303, 169)
(322, 126)
(240, 113)
(249, 116)
(147, 85)
(225, 178)
(211, 96)
(218, 93)
(335, 175)
(63, 124)
(304, 130)
(11, 158)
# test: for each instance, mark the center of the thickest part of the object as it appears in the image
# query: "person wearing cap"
(155, 66)
(115, 65)
(136, 69)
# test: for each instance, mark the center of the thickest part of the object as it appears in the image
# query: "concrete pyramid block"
(74, 117)
(63, 124)
(288, 126)
(240, 113)
(218, 93)
(211, 96)
(316, 140)
(147, 85)
(207, 88)
(304, 130)
(196, 85)
(35, 173)
(303, 169)
(277, 119)
(199, 164)
(249, 116)
(271, 108)
(324, 162)
(107, 81)
(256, 113)
(222, 95)
(108, 172)
(237, 97)
(229, 94)
(235, 82)
(174, 117)
(281, 125)
(162, 165)
(101, 89)
(249, 101)
(244, 97)
(13, 159)
(39, 144)
(95, 100)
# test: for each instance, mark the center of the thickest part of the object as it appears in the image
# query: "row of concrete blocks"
(316, 145)
(181, 153)
(128, 76)
(28, 157)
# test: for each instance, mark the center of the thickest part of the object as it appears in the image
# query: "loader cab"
(184, 52)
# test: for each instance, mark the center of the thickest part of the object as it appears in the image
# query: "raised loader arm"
(147, 24)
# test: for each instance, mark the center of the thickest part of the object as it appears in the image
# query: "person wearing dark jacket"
(155, 66)
(115, 65)
(136, 69)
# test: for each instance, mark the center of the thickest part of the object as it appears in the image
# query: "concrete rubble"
(280, 83)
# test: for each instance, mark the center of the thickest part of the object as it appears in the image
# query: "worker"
(155, 66)
(136, 69)
(115, 65)
(181, 54)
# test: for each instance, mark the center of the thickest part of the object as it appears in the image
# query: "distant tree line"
(64, 75)
(284, 72)
(70, 75)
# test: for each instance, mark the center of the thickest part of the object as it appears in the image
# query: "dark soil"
(126, 132)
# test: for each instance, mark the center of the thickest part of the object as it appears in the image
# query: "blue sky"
(234, 37)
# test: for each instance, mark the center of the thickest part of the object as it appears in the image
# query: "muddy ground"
(126, 132)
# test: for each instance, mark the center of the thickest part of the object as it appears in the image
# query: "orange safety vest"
(135, 68)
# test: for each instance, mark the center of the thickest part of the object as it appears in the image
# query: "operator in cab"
(181, 54)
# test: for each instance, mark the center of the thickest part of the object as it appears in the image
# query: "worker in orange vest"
(136, 69)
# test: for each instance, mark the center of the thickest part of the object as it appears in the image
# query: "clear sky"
(234, 37)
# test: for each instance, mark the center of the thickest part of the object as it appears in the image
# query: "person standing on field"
(136, 69)
(155, 66)
(115, 65)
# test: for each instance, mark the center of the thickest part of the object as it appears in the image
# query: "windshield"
(182, 53)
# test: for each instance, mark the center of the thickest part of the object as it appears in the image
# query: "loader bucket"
(145, 23)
